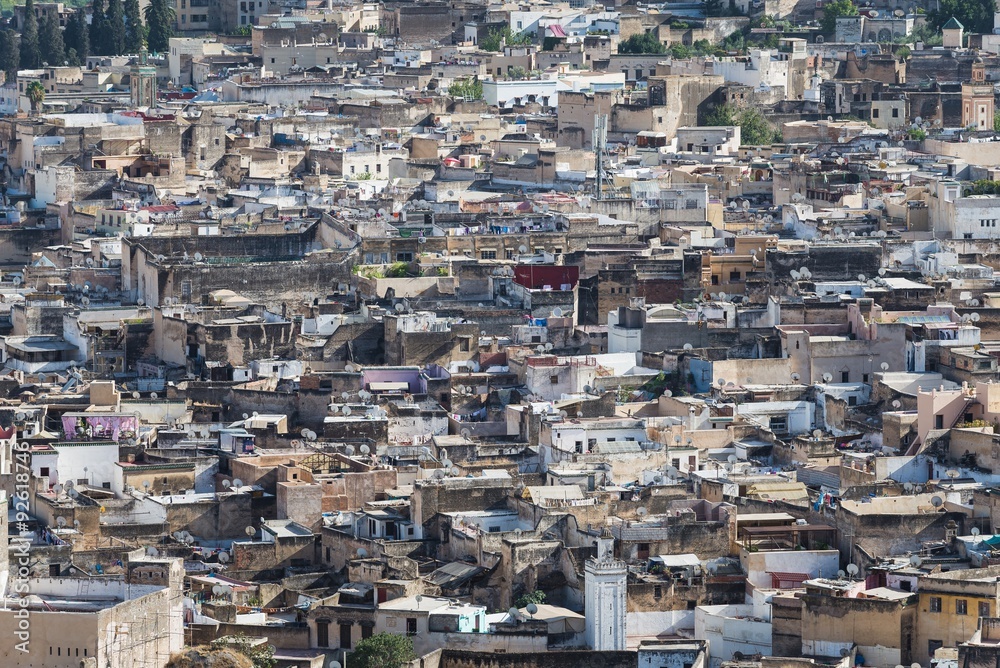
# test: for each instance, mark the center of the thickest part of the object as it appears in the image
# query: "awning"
(401, 386)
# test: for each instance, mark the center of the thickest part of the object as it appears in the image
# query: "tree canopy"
(833, 11)
(135, 31)
(382, 650)
(642, 43)
(755, 129)
(471, 89)
(50, 40)
(31, 56)
(976, 16)
(497, 39)
(77, 40)
(159, 24)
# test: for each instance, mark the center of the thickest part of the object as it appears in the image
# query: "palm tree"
(36, 95)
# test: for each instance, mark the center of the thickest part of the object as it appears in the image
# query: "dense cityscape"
(454, 334)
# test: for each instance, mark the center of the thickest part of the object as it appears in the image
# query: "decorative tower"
(977, 99)
(604, 597)
(143, 86)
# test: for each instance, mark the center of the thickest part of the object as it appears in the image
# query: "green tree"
(833, 11)
(116, 27)
(703, 47)
(679, 51)
(642, 43)
(160, 17)
(135, 31)
(720, 116)
(902, 52)
(50, 40)
(261, 656)
(976, 16)
(31, 56)
(996, 122)
(382, 650)
(10, 53)
(471, 89)
(983, 187)
(36, 95)
(497, 39)
(517, 73)
(535, 597)
(77, 39)
(98, 30)
(755, 129)
(924, 33)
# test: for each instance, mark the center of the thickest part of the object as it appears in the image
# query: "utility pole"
(599, 140)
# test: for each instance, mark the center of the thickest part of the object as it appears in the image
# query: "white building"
(604, 598)
(957, 217)
(761, 69)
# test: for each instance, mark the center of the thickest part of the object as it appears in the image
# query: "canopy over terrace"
(804, 536)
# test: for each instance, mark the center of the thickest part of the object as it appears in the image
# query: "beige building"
(114, 622)
(950, 606)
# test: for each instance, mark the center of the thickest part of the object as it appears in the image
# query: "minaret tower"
(604, 597)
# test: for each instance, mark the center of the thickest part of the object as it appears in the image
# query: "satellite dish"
(641, 511)
(362, 552)
(884, 366)
(897, 403)
(732, 459)
(817, 433)
(937, 501)
(827, 377)
(557, 312)
(237, 483)
(349, 450)
(841, 574)
(916, 561)
(852, 569)
(223, 557)
(974, 531)
(532, 608)
(198, 257)
(152, 551)
(365, 449)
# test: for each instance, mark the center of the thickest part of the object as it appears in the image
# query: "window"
(657, 591)
(345, 636)
(463, 344)
(734, 275)
(935, 604)
(984, 608)
(553, 379)
(411, 626)
(323, 633)
(404, 257)
(961, 606)
(845, 376)
(895, 113)
(488, 255)
(44, 471)
(874, 113)
(691, 204)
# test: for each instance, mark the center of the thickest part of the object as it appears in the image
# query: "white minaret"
(604, 597)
